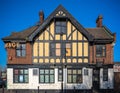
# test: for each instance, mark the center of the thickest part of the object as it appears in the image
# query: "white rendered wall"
(34, 81)
(107, 84)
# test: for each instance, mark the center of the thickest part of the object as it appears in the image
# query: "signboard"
(117, 68)
(11, 45)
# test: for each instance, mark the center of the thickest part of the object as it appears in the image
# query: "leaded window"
(60, 26)
(100, 50)
(20, 75)
(105, 74)
(58, 49)
(74, 75)
(46, 76)
(21, 50)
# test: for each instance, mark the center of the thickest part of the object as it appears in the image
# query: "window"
(60, 26)
(21, 50)
(20, 75)
(100, 50)
(46, 76)
(60, 73)
(57, 49)
(74, 75)
(105, 74)
(35, 71)
(85, 71)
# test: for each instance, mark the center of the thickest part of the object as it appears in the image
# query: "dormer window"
(60, 26)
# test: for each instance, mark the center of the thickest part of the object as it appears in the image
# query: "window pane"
(21, 71)
(18, 53)
(74, 78)
(69, 72)
(58, 52)
(74, 71)
(23, 46)
(16, 71)
(46, 78)
(69, 78)
(58, 29)
(26, 71)
(52, 45)
(57, 22)
(60, 77)
(51, 71)
(46, 71)
(16, 78)
(41, 71)
(79, 71)
(21, 78)
(58, 45)
(41, 78)
(51, 78)
(23, 53)
(26, 78)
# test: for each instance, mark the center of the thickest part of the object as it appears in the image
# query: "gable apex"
(61, 12)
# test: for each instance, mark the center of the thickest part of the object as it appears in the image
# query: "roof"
(101, 33)
(21, 35)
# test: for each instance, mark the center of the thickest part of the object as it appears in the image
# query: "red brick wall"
(108, 59)
(12, 59)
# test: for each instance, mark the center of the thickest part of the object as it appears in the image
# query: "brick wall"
(12, 59)
(108, 59)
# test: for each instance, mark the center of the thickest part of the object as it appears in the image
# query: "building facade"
(58, 54)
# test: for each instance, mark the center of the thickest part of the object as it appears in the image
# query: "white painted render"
(34, 80)
(107, 84)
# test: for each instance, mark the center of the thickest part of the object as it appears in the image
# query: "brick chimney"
(41, 15)
(99, 21)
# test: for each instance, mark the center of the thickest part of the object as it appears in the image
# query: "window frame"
(61, 26)
(100, 52)
(63, 48)
(78, 75)
(45, 74)
(21, 48)
(19, 74)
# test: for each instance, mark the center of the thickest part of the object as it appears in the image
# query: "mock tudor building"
(58, 54)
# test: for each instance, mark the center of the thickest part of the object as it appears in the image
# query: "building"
(117, 77)
(58, 54)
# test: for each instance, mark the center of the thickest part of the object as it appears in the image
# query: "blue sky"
(17, 15)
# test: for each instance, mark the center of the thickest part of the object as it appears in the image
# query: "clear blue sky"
(17, 15)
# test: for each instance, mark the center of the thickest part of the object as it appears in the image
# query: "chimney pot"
(99, 21)
(41, 15)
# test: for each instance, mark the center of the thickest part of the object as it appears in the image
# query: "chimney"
(114, 37)
(99, 21)
(41, 15)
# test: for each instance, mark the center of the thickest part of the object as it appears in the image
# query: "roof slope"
(21, 35)
(100, 33)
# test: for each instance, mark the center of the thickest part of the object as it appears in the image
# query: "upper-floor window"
(60, 26)
(21, 50)
(100, 50)
(20, 75)
(58, 49)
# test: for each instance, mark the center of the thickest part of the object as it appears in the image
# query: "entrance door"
(96, 79)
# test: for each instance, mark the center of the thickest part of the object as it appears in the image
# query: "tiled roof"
(100, 33)
(21, 35)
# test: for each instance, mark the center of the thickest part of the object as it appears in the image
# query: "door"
(96, 78)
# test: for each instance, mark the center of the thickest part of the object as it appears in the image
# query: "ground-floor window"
(20, 76)
(74, 75)
(105, 74)
(46, 76)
